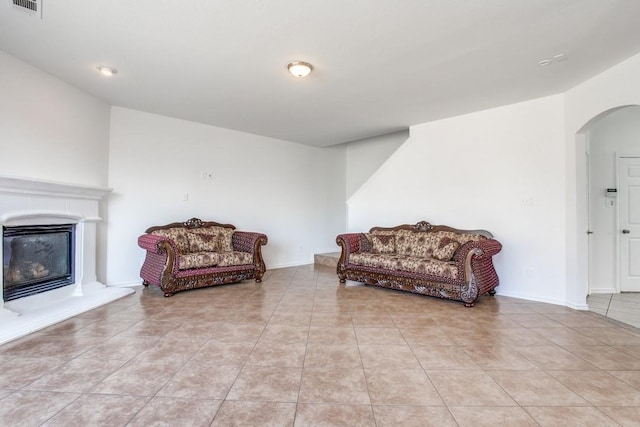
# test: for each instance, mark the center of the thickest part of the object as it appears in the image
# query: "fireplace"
(37, 258)
(49, 270)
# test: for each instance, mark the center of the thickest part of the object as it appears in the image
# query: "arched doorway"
(600, 143)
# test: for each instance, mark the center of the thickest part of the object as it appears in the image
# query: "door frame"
(618, 273)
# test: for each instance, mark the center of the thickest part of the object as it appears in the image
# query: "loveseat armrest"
(350, 243)
(156, 244)
(161, 259)
(247, 241)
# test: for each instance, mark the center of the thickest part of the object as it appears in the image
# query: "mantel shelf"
(22, 185)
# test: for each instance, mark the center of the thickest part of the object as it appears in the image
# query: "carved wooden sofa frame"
(476, 276)
(160, 266)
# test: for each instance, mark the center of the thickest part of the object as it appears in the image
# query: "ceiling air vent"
(31, 7)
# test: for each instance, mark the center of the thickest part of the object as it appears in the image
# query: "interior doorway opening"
(599, 145)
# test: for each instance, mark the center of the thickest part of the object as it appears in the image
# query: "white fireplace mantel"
(18, 185)
(27, 201)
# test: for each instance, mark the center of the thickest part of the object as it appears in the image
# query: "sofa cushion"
(214, 259)
(178, 235)
(224, 236)
(383, 244)
(420, 265)
(411, 243)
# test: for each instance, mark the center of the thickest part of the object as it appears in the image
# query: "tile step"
(329, 259)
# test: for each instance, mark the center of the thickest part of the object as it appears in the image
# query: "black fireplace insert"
(37, 258)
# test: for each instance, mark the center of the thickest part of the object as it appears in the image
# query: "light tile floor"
(624, 307)
(299, 349)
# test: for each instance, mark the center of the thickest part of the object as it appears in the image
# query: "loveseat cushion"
(406, 263)
(228, 259)
(213, 259)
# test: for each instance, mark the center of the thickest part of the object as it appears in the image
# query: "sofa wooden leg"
(145, 283)
(492, 292)
(167, 294)
(258, 280)
(468, 304)
(343, 280)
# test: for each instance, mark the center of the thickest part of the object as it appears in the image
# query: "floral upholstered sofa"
(195, 254)
(433, 260)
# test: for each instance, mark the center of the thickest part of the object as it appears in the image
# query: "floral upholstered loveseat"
(195, 254)
(433, 260)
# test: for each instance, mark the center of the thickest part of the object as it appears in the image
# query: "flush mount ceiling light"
(107, 71)
(556, 58)
(299, 68)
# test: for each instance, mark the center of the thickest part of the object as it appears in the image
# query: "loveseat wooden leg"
(468, 304)
(145, 283)
(168, 294)
(492, 292)
(258, 280)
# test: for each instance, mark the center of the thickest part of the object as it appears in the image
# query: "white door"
(629, 223)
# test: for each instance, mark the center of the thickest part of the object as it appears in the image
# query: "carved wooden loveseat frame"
(162, 261)
(475, 273)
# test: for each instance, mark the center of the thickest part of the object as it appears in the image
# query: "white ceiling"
(380, 65)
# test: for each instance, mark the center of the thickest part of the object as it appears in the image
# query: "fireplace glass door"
(37, 258)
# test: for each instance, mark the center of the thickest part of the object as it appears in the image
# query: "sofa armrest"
(350, 243)
(476, 258)
(481, 248)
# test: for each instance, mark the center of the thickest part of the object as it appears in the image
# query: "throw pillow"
(178, 235)
(200, 242)
(445, 249)
(226, 236)
(365, 242)
(383, 244)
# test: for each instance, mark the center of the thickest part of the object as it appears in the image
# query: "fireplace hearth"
(37, 258)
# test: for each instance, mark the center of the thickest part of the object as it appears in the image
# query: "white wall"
(49, 129)
(365, 156)
(501, 170)
(584, 104)
(560, 187)
(291, 192)
(615, 133)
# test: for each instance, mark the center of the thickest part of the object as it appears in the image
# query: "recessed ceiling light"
(299, 68)
(107, 71)
(559, 57)
(544, 62)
